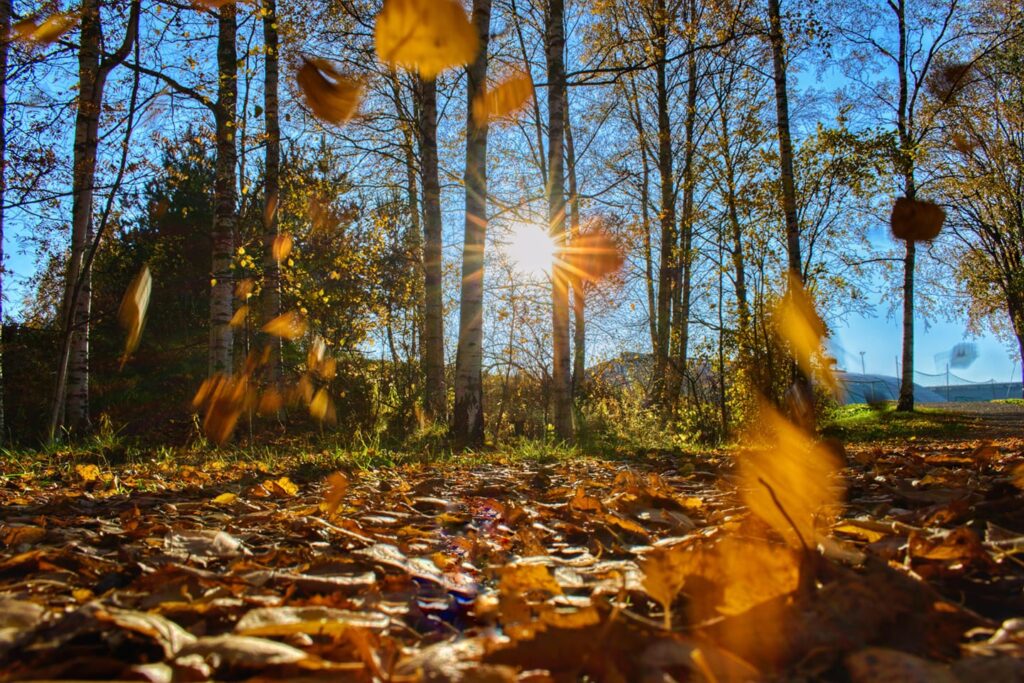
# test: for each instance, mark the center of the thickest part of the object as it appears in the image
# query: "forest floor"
(504, 568)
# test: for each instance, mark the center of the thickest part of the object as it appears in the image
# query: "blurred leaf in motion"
(290, 325)
(916, 220)
(132, 313)
(332, 96)
(507, 98)
(46, 32)
(425, 35)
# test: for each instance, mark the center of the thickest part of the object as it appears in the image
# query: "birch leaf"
(332, 96)
(507, 98)
(428, 35)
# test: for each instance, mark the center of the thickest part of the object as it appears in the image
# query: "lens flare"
(530, 250)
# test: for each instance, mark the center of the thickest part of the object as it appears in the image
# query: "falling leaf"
(290, 325)
(52, 28)
(800, 324)
(916, 220)
(132, 312)
(508, 97)
(788, 478)
(426, 35)
(337, 485)
(282, 247)
(321, 407)
(332, 96)
(591, 255)
(244, 288)
(238, 319)
(270, 403)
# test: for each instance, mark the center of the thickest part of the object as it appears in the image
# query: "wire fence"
(929, 388)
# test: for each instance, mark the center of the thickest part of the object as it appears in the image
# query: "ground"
(189, 566)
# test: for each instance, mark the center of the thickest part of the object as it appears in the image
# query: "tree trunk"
(434, 399)
(561, 379)
(906, 399)
(5, 30)
(468, 421)
(785, 142)
(579, 328)
(668, 271)
(225, 199)
(272, 189)
(681, 305)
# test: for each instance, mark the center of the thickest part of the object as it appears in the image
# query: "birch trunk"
(272, 190)
(225, 194)
(469, 408)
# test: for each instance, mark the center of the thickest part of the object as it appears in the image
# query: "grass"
(860, 423)
(1009, 401)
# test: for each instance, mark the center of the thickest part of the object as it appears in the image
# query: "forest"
(493, 340)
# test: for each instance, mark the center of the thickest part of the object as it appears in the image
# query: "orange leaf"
(508, 97)
(288, 325)
(332, 96)
(282, 247)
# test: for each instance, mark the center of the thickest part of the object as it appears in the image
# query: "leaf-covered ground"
(502, 569)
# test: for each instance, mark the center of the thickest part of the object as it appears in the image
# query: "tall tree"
(94, 67)
(272, 189)
(434, 396)
(561, 378)
(226, 193)
(5, 32)
(468, 421)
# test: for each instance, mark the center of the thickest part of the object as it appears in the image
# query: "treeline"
(331, 199)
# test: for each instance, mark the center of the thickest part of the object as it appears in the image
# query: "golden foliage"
(238, 319)
(428, 35)
(290, 325)
(787, 479)
(322, 407)
(332, 96)
(507, 98)
(337, 485)
(132, 312)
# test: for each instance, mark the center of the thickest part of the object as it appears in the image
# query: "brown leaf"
(916, 220)
(244, 652)
(337, 486)
(332, 96)
(426, 35)
(312, 620)
(238, 319)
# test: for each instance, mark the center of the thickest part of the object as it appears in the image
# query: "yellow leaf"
(801, 326)
(225, 499)
(52, 28)
(321, 407)
(282, 247)
(789, 475)
(238, 319)
(88, 473)
(244, 288)
(270, 402)
(428, 35)
(132, 312)
(331, 96)
(288, 325)
(508, 97)
(337, 485)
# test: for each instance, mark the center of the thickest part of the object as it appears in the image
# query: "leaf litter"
(657, 568)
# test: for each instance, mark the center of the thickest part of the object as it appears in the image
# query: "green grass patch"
(1009, 401)
(860, 423)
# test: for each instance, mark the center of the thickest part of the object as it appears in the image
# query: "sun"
(530, 250)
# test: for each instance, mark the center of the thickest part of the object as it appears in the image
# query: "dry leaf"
(132, 312)
(244, 288)
(322, 407)
(787, 481)
(270, 403)
(916, 220)
(52, 28)
(282, 247)
(331, 96)
(508, 97)
(800, 324)
(428, 35)
(88, 473)
(337, 485)
(238, 319)
(290, 325)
